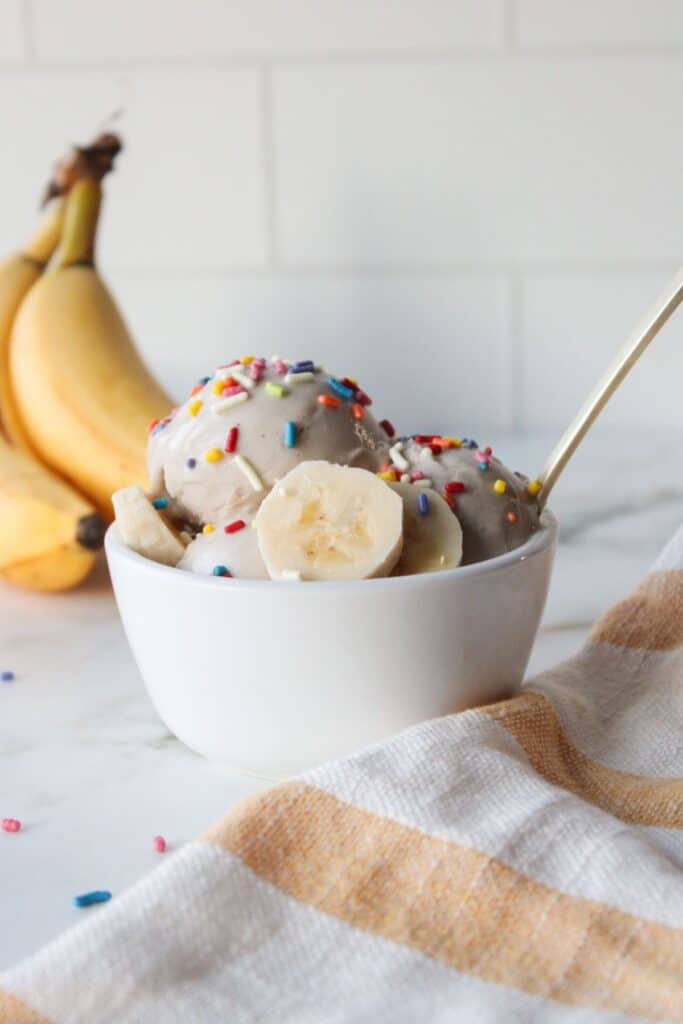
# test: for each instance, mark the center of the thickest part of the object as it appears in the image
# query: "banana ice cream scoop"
(496, 508)
(228, 549)
(249, 423)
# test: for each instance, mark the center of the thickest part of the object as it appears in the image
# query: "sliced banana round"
(327, 522)
(432, 535)
(144, 529)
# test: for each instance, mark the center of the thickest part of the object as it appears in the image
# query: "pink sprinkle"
(231, 439)
(484, 456)
(255, 372)
(416, 475)
(260, 362)
(280, 367)
(159, 844)
(236, 390)
(10, 825)
(224, 366)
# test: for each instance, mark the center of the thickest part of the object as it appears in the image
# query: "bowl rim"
(544, 537)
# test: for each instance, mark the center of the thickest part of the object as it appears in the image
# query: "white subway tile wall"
(466, 203)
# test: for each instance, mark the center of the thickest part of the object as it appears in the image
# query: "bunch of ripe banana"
(75, 397)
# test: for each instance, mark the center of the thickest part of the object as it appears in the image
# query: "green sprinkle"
(276, 390)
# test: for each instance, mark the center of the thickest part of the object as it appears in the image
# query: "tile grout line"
(28, 23)
(516, 374)
(269, 169)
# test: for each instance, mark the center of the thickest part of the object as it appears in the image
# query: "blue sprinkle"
(339, 388)
(191, 463)
(483, 465)
(7, 677)
(290, 434)
(203, 380)
(220, 570)
(423, 504)
(160, 502)
(303, 366)
(86, 899)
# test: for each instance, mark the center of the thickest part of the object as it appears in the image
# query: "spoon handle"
(626, 357)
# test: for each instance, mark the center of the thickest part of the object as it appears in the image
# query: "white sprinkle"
(283, 492)
(181, 434)
(299, 378)
(405, 478)
(227, 403)
(242, 379)
(398, 458)
(423, 482)
(224, 371)
(291, 574)
(252, 476)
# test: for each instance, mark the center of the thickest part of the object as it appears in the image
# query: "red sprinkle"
(387, 427)
(151, 425)
(348, 383)
(233, 527)
(435, 449)
(358, 411)
(416, 475)
(231, 439)
(10, 825)
(226, 366)
(159, 844)
(448, 498)
(330, 401)
(424, 438)
(362, 398)
(454, 487)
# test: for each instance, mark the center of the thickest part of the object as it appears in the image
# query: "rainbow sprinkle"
(340, 389)
(237, 524)
(194, 407)
(87, 899)
(422, 504)
(160, 502)
(398, 458)
(276, 390)
(249, 472)
(228, 403)
(298, 376)
(500, 486)
(220, 570)
(213, 455)
(208, 528)
(290, 434)
(533, 487)
(231, 439)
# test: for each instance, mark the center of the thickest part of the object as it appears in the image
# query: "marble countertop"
(93, 774)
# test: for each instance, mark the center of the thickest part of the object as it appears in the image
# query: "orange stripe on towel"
(651, 618)
(15, 1011)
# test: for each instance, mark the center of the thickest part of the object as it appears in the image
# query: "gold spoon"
(626, 357)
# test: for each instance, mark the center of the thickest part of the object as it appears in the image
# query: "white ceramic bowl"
(276, 677)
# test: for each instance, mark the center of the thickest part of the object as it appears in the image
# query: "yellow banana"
(84, 395)
(18, 273)
(48, 533)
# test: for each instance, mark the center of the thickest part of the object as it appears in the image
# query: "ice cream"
(278, 470)
(496, 507)
(250, 422)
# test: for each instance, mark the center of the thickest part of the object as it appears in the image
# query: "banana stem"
(80, 223)
(44, 239)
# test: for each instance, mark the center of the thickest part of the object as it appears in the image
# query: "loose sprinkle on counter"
(249, 472)
(7, 676)
(213, 455)
(276, 390)
(159, 844)
(231, 439)
(10, 825)
(191, 463)
(220, 570)
(330, 401)
(500, 486)
(388, 427)
(160, 502)
(87, 899)
(232, 400)
(290, 434)
(208, 528)
(194, 407)
(237, 524)
(422, 504)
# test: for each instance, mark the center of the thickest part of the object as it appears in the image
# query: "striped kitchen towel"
(521, 862)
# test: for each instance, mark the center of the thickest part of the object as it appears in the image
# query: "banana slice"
(329, 522)
(144, 529)
(432, 535)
